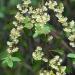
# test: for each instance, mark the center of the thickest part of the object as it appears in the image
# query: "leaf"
(68, 69)
(41, 29)
(10, 63)
(16, 59)
(71, 55)
(3, 55)
(27, 23)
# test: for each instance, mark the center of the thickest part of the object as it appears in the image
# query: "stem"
(64, 44)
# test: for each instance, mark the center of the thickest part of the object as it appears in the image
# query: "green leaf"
(27, 23)
(41, 29)
(9, 60)
(68, 69)
(71, 55)
(3, 55)
(10, 63)
(16, 59)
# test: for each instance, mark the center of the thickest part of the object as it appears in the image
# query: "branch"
(56, 35)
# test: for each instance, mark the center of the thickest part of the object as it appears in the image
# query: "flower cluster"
(51, 4)
(38, 15)
(38, 54)
(27, 17)
(56, 68)
(55, 63)
(34, 17)
(14, 35)
(37, 18)
(69, 27)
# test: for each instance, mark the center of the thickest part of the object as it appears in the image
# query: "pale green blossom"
(51, 4)
(55, 63)
(38, 54)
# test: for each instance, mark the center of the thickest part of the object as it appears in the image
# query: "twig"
(55, 35)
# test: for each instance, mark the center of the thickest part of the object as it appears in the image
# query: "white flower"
(71, 37)
(9, 43)
(65, 24)
(67, 29)
(19, 7)
(19, 17)
(45, 59)
(56, 58)
(41, 74)
(15, 23)
(9, 50)
(24, 11)
(50, 38)
(19, 28)
(12, 50)
(72, 44)
(62, 19)
(58, 15)
(14, 34)
(15, 49)
(59, 8)
(44, 8)
(26, 2)
(72, 24)
(58, 73)
(51, 4)
(38, 54)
